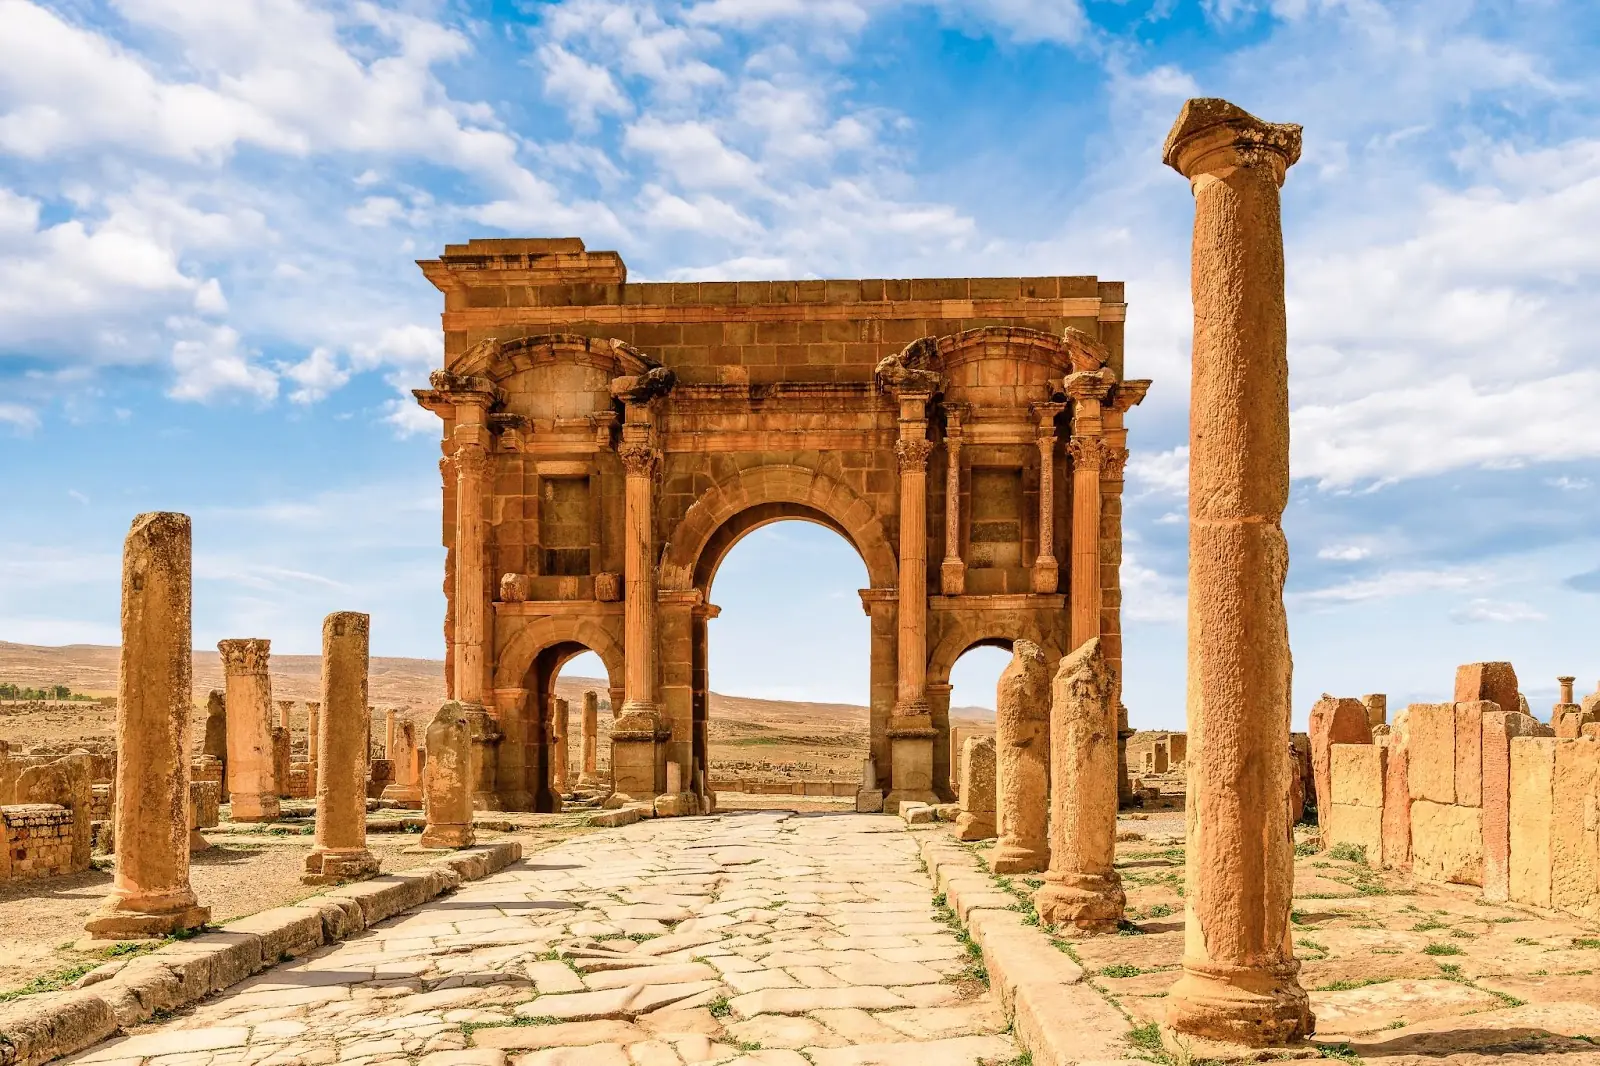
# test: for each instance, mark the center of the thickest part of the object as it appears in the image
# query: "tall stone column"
(391, 718)
(215, 743)
(447, 780)
(911, 730)
(252, 784)
(1239, 980)
(1088, 450)
(313, 740)
(340, 850)
(1022, 762)
(1124, 397)
(284, 709)
(150, 894)
(561, 754)
(1082, 892)
(635, 733)
(589, 777)
(953, 571)
(1046, 570)
(472, 609)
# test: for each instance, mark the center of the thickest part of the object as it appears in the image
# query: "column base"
(1081, 904)
(408, 797)
(971, 825)
(122, 918)
(677, 804)
(1019, 857)
(447, 835)
(331, 865)
(911, 735)
(247, 808)
(952, 577)
(1046, 576)
(1244, 1006)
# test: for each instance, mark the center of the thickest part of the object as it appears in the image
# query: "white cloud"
(1395, 583)
(212, 364)
(587, 89)
(1482, 610)
(318, 374)
(1344, 553)
(1160, 472)
(1149, 596)
(692, 154)
(21, 419)
(209, 299)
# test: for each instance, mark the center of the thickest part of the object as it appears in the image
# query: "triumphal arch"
(606, 443)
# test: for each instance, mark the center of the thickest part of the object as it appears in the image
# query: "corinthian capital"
(1088, 453)
(1213, 137)
(1116, 460)
(245, 655)
(470, 460)
(639, 459)
(913, 453)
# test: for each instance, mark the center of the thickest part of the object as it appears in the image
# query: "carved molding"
(1088, 453)
(1114, 463)
(639, 459)
(913, 453)
(471, 461)
(244, 655)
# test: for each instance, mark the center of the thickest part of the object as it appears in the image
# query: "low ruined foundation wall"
(767, 787)
(1467, 793)
(37, 841)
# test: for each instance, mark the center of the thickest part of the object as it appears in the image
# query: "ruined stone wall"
(1468, 793)
(37, 840)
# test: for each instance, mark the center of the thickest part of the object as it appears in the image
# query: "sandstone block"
(41, 1028)
(978, 793)
(1431, 767)
(1360, 826)
(1469, 751)
(1532, 774)
(284, 932)
(1499, 728)
(1397, 796)
(1447, 842)
(1334, 721)
(1492, 682)
(1574, 864)
(1356, 775)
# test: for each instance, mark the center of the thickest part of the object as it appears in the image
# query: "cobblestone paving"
(758, 938)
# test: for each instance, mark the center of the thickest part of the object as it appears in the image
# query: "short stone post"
(589, 776)
(1082, 893)
(1022, 762)
(447, 780)
(1239, 982)
(977, 791)
(340, 852)
(284, 707)
(406, 789)
(252, 787)
(561, 720)
(150, 894)
(215, 743)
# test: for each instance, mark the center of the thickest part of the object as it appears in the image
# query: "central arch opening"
(787, 660)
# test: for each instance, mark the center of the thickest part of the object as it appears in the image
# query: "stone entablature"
(606, 444)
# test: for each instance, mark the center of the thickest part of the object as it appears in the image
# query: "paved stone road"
(745, 938)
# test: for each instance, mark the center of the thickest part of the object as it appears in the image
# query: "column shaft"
(252, 782)
(150, 893)
(1239, 981)
(639, 577)
(471, 588)
(952, 572)
(340, 849)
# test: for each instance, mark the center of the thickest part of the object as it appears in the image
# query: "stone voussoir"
(39, 1029)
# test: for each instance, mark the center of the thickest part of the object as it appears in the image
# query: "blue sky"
(209, 213)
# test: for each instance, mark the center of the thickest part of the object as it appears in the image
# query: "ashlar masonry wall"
(1469, 793)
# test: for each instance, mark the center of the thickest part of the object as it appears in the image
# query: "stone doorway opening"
(788, 647)
(536, 731)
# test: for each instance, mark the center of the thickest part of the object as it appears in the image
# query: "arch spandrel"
(966, 635)
(833, 502)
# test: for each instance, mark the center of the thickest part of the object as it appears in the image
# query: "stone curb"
(1054, 1014)
(119, 994)
(618, 817)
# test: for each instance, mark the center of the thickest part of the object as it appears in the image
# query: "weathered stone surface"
(1334, 721)
(1022, 771)
(1447, 842)
(1432, 762)
(977, 818)
(1492, 682)
(1082, 892)
(1532, 806)
(1499, 729)
(447, 794)
(1239, 981)
(340, 851)
(150, 893)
